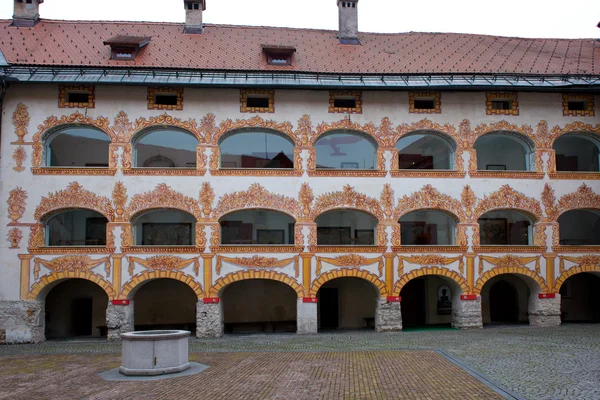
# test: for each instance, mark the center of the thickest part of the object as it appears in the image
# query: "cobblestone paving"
(282, 375)
(536, 363)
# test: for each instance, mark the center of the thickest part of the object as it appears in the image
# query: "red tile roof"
(223, 47)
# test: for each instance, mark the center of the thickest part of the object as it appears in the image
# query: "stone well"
(154, 352)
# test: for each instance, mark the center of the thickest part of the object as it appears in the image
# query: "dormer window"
(126, 48)
(279, 55)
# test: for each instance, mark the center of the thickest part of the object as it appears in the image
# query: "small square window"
(345, 102)
(501, 103)
(76, 96)
(424, 102)
(165, 98)
(578, 105)
(257, 100)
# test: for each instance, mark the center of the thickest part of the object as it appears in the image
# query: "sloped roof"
(238, 48)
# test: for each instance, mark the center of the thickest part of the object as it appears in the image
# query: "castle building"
(225, 178)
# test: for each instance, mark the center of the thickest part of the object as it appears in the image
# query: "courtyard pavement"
(532, 363)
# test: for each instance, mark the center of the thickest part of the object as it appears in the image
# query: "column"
(306, 316)
(119, 318)
(209, 318)
(544, 310)
(466, 312)
(388, 315)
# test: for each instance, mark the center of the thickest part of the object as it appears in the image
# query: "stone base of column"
(119, 319)
(544, 312)
(22, 321)
(388, 316)
(466, 313)
(306, 318)
(209, 320)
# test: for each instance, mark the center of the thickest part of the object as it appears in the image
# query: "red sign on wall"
(309, 299)
(468, 297)
(394, 299)
(209, 300)
(120, 302)
(546, 295)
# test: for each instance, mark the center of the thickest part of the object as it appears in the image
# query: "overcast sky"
(524, 18)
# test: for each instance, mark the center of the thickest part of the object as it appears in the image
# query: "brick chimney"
(348, 10)
(26, 12)
(193, 15)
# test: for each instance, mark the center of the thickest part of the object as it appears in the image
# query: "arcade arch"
(76, 227)
(579, 228)
(505, 228)
(256, 149)
(426, 150)
(504, 151)
(257, 227)
(577, 152)
(76, 146)
(164, 148)
(346, 227)
(427, 227)
(164, 227)
(345, 150)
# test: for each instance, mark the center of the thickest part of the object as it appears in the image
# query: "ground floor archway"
(505, 299)
(259, 305)
(75, 308)
(427, 301)
(165, 304)
(346, 303)
(580, 298)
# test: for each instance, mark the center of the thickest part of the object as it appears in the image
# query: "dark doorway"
(82, 316)
(328, 305)
(504, 303)
(413, 303)
(579, 298)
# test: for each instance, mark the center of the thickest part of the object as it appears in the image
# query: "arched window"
(577, 153)
(79, 227)
(346, 150)
(427, 150)
(504, 151)
(165, 148)
(164, 227)
(256, 149)
(257, 227)
(77, 146)
(427, 227)
(579, 228)
(505, 227)
(346, 227)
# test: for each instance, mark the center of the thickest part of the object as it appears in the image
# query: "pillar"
(306, 316)
(388, 316)
(209, 318)
(466, 313)
(545, 311)
(119, 319)
(22, 321)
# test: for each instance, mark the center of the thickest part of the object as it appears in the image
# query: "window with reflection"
(576, 153)
(257, 227)
(164, 227)
(256, 149)
(503, 152)
(347, 228)
(78, 227)
(77, 147)
(425, 151)
(505, 227)
(579, 228)
(165, 148)
(427, 227)
(346, 150)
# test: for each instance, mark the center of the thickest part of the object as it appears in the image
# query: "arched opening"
(346, 227)
(505, 299)
(78, 227)
(259, 305)
(579, 298)
(577, 152)
(164, 227)
(77, 146)
(165, 148)
(579, 228)
(504, 228)
(427, 227)
(75, 308)
(345, 150)
(347, 303)
(260, 227)
(427, 150)
(256, 149)
(164, 304)
(504, 151)
(427, 302)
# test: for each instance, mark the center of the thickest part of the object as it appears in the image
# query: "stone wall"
(466, 313)
(306, 317)
(23, 321)
(388, 316)
(119, 319)
(544, 312)
(209, 319)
